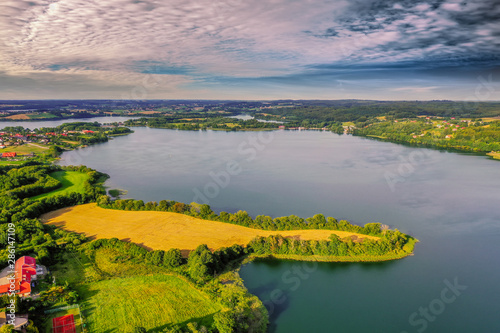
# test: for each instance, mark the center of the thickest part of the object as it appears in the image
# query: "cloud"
(416, 89)
(214, 48)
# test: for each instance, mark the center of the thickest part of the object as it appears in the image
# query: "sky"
(250, 49)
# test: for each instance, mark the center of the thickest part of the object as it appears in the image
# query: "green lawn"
(72, 181)
(153, 302)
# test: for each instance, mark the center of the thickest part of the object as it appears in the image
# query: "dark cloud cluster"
(433, 30)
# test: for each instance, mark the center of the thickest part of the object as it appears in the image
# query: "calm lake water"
(448, 201)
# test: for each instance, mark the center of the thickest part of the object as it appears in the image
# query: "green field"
(153, 302)
(72, 181)
(74, 268)
(142, 295)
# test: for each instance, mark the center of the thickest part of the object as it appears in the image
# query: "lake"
(449, 201)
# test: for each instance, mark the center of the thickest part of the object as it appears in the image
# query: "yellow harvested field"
(165, 230)
(18, 117)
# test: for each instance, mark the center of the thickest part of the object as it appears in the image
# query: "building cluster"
(17, 139)
(18, 281)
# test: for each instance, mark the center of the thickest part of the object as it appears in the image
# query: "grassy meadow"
(165, 230)
(72, 181)
(151, 301)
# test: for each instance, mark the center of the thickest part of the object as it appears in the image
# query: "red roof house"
(26, 267)
(21, 283)
(9, 154)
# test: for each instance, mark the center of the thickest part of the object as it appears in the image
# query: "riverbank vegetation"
(314, 236)
(201, 121)
(459, 134)
(155, 229)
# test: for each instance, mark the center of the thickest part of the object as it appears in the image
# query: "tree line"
(241, 217)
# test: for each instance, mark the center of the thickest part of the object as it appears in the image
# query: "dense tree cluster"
(18, 183)
(391, 242)
(169, 259)
(203, 264)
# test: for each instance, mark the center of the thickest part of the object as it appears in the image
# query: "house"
(26, 267)
(20, 281)
(9, 154)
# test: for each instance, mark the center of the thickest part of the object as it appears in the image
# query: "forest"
(17, 185)
(364, 112)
